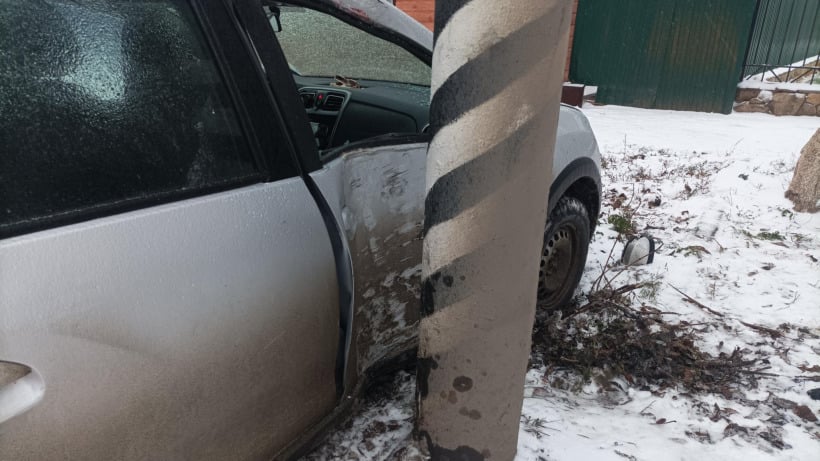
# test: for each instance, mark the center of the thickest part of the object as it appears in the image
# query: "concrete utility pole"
(497, 71)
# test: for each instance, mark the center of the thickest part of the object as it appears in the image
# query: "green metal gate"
(663, 54)
(786, 34)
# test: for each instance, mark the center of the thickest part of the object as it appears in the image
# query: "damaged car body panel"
(381, 208)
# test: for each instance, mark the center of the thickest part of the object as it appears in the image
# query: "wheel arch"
(581, 180)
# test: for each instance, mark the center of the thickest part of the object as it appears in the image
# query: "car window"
(319, 45)
(105, 102)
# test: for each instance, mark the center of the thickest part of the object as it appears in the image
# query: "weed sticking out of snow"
(616, 339)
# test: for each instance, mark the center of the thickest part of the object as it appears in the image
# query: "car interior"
(354, 85)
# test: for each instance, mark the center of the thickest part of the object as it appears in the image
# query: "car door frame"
(282, 93)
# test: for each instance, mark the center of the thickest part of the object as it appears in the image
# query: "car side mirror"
(275, 12)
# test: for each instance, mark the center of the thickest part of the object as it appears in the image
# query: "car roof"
(382, 14)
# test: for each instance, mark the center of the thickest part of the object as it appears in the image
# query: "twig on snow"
(627, 456)
(761, 329)
(694, 301)
(647, 407)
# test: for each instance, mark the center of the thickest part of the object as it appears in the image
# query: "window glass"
(319, 45)
(106, 102)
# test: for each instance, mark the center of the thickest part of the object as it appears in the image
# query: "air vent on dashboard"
(308, 99)
(334, 102)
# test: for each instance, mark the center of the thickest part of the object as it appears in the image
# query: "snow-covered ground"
(732, 243)
(711, 188)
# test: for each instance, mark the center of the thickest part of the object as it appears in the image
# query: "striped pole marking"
(497, 70)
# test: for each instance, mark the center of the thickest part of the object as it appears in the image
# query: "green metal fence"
(786, 34)
(664, 54)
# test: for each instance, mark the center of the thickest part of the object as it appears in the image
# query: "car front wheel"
(566, 243)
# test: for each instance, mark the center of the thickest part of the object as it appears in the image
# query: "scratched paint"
(384, 197)
(380, 195)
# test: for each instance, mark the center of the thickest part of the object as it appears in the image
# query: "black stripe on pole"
(445, 9)
(449, 197)
(444, 287)
(474, 83)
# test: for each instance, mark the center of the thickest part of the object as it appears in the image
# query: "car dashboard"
(344, 111)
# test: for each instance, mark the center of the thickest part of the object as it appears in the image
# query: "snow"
(765, 96)
(775, 86)
(761, 80)
(744, 163)
(381, 428)
(590, 90)
(721, 182)
(782, 70)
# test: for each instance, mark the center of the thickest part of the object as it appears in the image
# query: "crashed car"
(210, 221)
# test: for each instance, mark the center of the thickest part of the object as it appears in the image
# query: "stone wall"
(779, 101)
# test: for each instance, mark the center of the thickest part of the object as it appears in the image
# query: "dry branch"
(697, 303)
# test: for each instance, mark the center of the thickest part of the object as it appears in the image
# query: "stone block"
(813, 98)
(804, 190)
(787, 103)
(745, 94)
(750, 107)
(807, 109)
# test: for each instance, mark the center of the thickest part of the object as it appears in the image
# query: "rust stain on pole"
(497, 73)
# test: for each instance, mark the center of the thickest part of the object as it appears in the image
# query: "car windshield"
(319, 45)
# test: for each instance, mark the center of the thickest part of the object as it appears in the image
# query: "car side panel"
(381, 197)
(575, 140)
(204, 329)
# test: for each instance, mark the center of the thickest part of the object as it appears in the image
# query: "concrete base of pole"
(497, 72)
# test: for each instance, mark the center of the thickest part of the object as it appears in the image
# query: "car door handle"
(21, 388)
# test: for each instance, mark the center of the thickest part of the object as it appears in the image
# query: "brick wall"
(424, 11)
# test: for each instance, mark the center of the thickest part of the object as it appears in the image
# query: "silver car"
(208, 241)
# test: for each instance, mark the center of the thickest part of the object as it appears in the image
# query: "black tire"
(566, 243)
